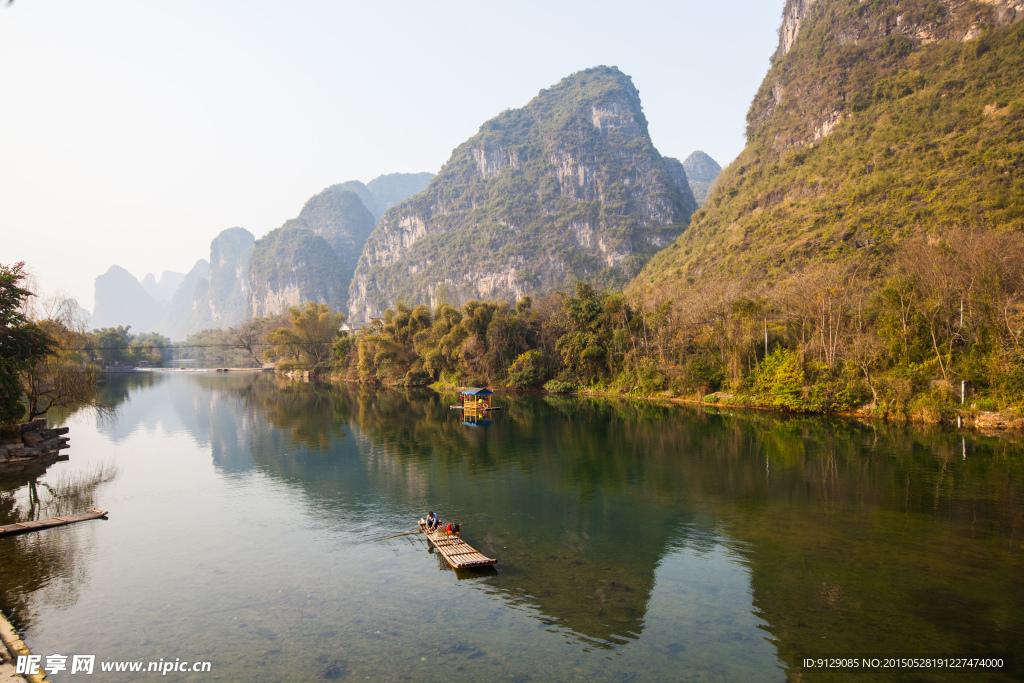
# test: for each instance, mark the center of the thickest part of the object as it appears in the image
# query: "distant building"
(349, 329)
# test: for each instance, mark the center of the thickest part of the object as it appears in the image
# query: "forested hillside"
(873, 228)
(879, 122)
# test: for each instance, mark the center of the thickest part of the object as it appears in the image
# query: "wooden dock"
(25, 527)
(460, 555)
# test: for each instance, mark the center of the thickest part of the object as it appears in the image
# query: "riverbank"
(989, 422)
(11, 647)
(921, 411)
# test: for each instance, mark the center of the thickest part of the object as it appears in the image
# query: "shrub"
(414, 378)
(781, 380)
(563, 384)
(529, 371)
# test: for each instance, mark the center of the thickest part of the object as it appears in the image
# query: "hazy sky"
(134, 131)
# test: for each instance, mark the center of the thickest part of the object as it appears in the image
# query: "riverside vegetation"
(49, 361)
(897, 346)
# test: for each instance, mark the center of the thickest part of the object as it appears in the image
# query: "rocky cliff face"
(340, 217)
(365, 196)
(792, 17)
(212, 294)
(877, 121)
(343, 216)
(567, 188)
(677, 171)
(290, 266)
(224, 303)
(842, 37)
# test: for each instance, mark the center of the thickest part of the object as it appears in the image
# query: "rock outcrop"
(120, 299)
(31, 441)
(394, 188)
(285, 271)
(387, 190)
(792, 18)
(343, 221)
(216, 293)
(677, 170)
(820, 97)
(290, 266)
(567, 188)
(225, 300)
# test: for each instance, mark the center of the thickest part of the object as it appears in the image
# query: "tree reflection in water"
(43, 566)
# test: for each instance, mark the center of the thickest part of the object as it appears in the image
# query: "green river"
(636, 541)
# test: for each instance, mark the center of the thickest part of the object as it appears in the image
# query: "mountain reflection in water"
(752, 533)
(580, 499)
(568, 512)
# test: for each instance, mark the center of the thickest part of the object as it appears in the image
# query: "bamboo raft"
(460, 555)
(25, 527)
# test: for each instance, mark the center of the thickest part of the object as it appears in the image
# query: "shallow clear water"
(635, 541)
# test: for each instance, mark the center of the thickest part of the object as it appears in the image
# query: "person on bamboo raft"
(433, 520)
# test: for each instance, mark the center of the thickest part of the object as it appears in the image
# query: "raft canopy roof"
(474, 391)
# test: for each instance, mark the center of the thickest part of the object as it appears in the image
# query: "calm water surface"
(636, 541)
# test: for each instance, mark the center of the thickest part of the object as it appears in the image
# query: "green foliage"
(874, 219)
(529, 371)
(582, 353)
(111, 345)
(243, 346)
(308, 342)
(781, 380)
(899, 85)
(342, 348)
(63, 379)
(22, 342)
(561, 386)
(415, 378)
(155, 349)
(700, 375)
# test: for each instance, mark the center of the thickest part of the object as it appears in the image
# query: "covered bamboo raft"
(458, 553)
(25, 527)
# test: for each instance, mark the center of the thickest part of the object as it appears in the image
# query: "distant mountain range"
(311, 257)
(164, 289)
